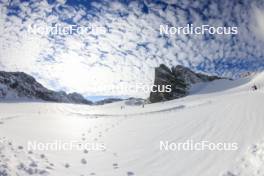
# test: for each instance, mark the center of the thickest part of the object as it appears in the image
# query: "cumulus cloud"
(258, 26)
(130, 46)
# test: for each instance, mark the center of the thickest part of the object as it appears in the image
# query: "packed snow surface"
(221, 111)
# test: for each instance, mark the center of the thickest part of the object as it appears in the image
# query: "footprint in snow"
(130, 173)
(42, 156)
(67, 165)
(83, 161)
(229, 174)
(115, 166)
(33, 164)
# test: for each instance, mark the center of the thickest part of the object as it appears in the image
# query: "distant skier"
(144, 103)
(254, 87)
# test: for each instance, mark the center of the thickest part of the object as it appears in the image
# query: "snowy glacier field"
(220, 111)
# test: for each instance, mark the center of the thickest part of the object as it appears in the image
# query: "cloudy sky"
(130, 47)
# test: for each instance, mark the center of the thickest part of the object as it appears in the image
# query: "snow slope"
(224, 111)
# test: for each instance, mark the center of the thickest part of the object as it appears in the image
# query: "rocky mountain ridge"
(180, 78)
(19, 85)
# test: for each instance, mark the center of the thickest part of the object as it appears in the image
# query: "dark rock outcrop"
(107, 101)
(180, 78)
(19, 85)
(134, 101)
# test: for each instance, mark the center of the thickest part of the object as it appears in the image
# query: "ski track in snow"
(132, 135)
